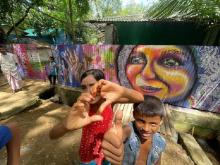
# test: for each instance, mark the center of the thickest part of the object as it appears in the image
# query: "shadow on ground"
(36, 147)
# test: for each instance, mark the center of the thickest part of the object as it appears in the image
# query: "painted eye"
(170, 62)
(172, 58)
(137, 60)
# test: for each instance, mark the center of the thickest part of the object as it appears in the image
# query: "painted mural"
(187, 76)
(178, 75)
(23, 60)
(29, 61)
(74, 59)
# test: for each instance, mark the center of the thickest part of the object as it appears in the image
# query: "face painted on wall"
(167, 72)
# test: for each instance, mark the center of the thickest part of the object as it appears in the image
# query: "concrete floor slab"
(11, 104)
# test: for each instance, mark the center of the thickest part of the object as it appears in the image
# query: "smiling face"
(166, 72)
(147, 125)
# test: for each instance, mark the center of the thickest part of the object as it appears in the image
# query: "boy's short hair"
(3, 47)
(151, 106)
(96, 73)
(51, 57)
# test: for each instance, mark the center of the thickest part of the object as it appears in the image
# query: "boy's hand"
(111, 92)
(79, 117)
(112, 144)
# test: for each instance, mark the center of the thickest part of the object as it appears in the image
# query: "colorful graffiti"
(178, 75)
(24, 62)
(74, 59)
(167, 72)
(187, 76)
(29, 60)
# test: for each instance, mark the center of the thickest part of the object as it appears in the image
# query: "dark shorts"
(5, 135)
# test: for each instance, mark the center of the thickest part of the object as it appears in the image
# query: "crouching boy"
(143, 145)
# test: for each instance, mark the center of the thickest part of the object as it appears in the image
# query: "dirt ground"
(38, 149)
(36, 146)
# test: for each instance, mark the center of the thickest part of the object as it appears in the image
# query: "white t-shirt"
(7, 63)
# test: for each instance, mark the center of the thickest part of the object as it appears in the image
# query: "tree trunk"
(71, 25)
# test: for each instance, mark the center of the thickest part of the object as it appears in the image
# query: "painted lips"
(150, 89)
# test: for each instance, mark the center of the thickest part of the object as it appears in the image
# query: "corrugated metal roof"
(138, 18)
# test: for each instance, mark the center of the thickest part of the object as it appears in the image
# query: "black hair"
(96, 73)
(52, 58)
(151, 106)
(3, 47)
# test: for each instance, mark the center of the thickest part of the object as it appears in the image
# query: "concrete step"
(203, 124)
(11, 104)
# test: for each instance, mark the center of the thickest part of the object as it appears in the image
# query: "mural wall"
(32, 60)
(178, 75)
(74, 59)
(187, 76)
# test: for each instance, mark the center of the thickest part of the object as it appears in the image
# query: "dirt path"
(38, 149)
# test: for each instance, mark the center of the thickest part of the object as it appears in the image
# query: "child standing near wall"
(93, 112)
(51, 70)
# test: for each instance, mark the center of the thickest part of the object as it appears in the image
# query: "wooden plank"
(167, 126)
(127, 113)
(162, 129)
(194, 150)
(131, 113)
(115, 107)
(194, 117)
(174, 134)
(205, 124)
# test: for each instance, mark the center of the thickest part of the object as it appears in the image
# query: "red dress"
(92, 135)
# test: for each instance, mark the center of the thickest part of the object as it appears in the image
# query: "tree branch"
(19, 21)
(50, 16)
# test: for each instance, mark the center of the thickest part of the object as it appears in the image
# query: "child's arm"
(118, 93)
(13, 146)
(130, 95)
(77, 118)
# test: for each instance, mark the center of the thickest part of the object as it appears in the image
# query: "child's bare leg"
(13, 146)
